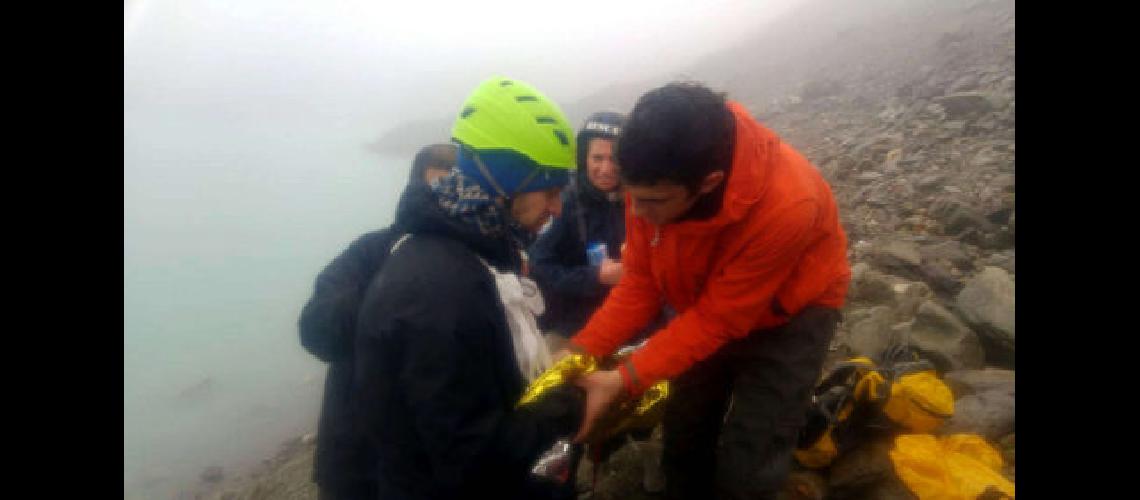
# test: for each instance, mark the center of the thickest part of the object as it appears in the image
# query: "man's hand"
(609, 272)
(603, 389)
(562, 353)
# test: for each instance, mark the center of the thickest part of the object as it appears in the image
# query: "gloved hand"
(561, 407)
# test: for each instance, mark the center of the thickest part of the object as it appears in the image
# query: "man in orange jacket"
(740, 234)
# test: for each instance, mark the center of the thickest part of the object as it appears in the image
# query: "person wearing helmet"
(342, 467)
(446, 340)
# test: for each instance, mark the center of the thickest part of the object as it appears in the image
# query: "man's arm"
(630, 306)
(732, 303)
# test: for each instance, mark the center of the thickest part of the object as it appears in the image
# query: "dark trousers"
(731, 420)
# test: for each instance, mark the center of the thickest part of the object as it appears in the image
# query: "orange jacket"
(777, 238)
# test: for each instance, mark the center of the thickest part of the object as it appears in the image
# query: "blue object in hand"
(596, 253)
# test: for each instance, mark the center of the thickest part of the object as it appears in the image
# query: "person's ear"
(711, 181)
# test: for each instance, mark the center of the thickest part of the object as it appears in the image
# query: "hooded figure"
(342, 467)
(446, 340)
(593, 218)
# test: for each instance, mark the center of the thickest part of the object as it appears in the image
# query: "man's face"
(600, 167)
(433, 173)
(660, 203)
(532, 210)
(665, 202)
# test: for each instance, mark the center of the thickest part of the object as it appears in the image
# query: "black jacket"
(570, 286)
(327, 329)
(436, 381)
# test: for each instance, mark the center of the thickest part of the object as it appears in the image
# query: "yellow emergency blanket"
(956, 467)
(643, 413)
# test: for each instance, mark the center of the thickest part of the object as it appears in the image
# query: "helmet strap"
(491, 179)
(526, 180)
(487, 174)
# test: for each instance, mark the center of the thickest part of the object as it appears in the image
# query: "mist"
(261, 137)
(247, 168)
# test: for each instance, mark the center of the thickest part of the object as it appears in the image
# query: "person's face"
(600, 167)
(665, 202)
(532, 210)
(433, 173)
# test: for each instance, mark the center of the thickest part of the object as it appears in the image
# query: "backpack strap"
(399, 241)
(581, 226)
(845, 374)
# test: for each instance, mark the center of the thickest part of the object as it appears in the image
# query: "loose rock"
(989, 414)
(872, 335)
(945, 339)
(967, 382)
(987, 305)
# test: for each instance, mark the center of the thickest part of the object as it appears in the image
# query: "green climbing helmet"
(504, 114)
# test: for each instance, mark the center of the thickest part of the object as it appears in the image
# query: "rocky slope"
(908, 110)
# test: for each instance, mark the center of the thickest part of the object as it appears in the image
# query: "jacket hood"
(419, 212)
(746, 183)
(600, 125)
(590, 196)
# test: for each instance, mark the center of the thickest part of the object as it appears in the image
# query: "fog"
(246, 171)
(375, 63)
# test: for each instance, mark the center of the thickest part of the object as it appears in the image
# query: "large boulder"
(897, 255)
(989, 414)
(987, 305)
(966, 382)
(945, 339)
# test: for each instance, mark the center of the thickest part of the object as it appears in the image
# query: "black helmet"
(605, 124)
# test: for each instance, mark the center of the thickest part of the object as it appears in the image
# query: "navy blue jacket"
(558, 260)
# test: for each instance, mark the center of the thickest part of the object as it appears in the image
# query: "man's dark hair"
(677, 133)
(439, 156)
